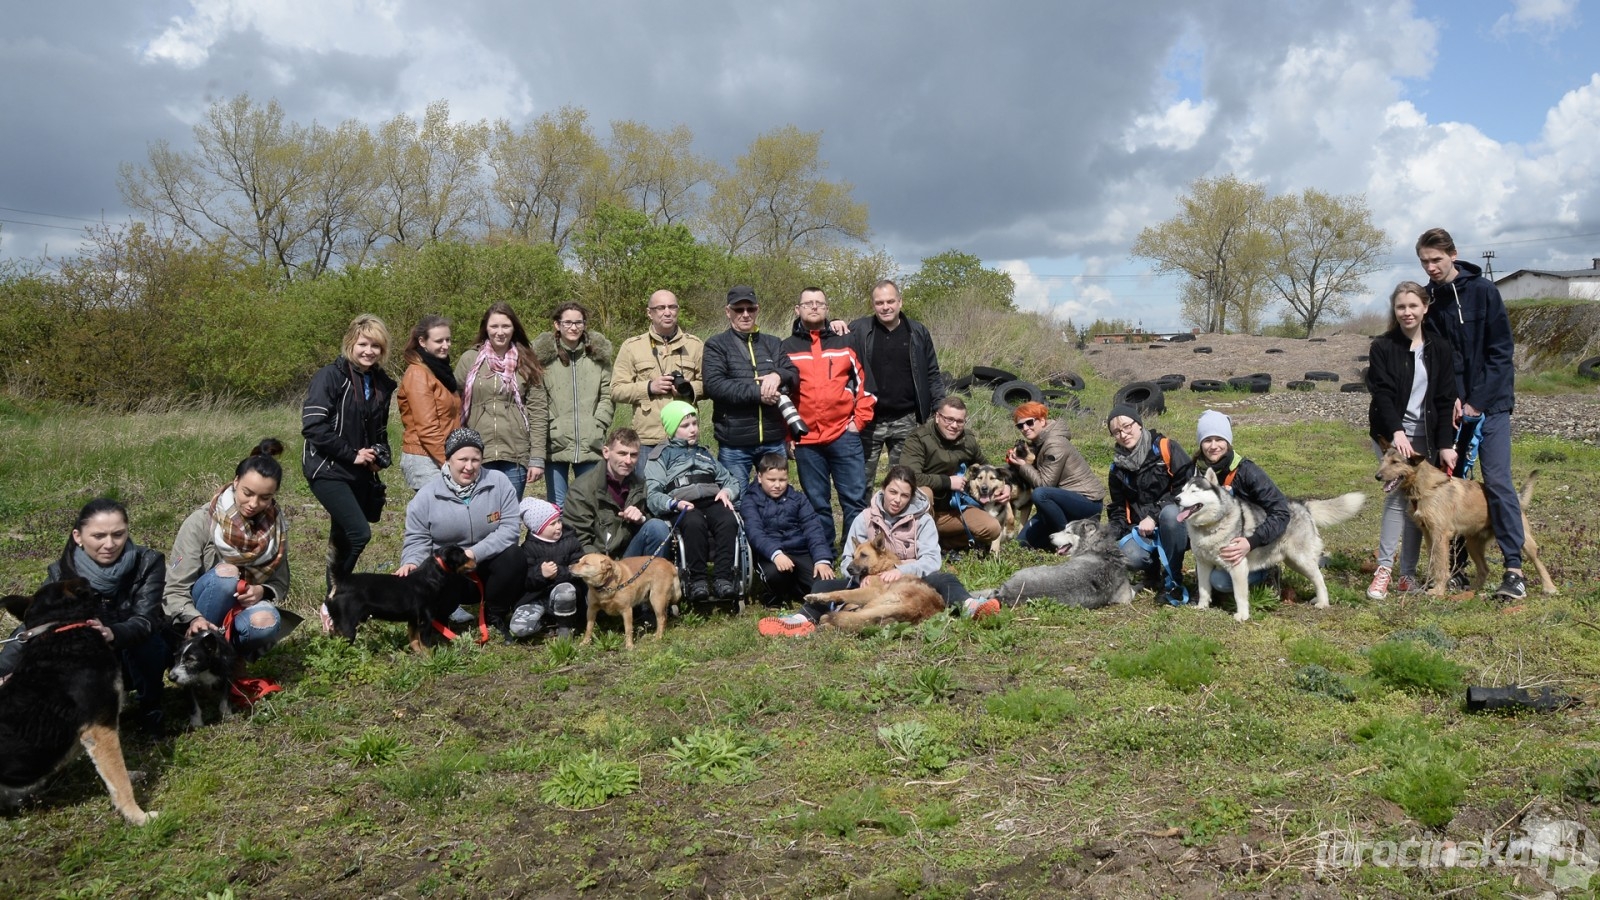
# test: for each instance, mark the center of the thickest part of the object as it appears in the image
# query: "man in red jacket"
(836, 402)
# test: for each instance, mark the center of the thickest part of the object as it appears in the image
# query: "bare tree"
(548, 176)
(775, 202)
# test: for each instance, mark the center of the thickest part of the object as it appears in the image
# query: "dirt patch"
(1284, 359)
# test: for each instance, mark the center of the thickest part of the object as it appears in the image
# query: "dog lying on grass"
(66, 692)
(1091, 576)
(1445, 508)
(421, 599)
(877, 602)
(616, 586)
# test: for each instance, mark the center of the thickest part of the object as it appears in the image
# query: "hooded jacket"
(912, 528)
(338, 420)
(494, 415)
(925, 377)
(1389, 377)
(835, 387)
(646, 356)
(1469, 313)
(487, 522)
(787, 524)
(1252, 485)
(734, 364)
(577, 389)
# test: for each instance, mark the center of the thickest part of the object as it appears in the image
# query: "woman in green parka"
(577, 387)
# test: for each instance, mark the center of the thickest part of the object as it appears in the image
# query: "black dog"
(425, 597)
(205, 666)
(65, 691)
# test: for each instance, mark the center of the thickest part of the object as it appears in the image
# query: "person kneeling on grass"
(552, 591)
(1245, 480)
(786, 536)
(899, 513)
(683, 477)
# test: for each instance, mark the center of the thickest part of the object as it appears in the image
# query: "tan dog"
(1445, 508)
(906, 599)
(984, 483)
(616, 586)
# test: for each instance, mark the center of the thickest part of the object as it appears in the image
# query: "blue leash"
(1472, 445)
(1171, 580)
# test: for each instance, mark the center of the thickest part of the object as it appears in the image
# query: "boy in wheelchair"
(683, 478)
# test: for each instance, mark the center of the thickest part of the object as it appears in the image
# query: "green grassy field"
(1138, 751)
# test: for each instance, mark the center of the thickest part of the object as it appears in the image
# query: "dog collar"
(37, 630)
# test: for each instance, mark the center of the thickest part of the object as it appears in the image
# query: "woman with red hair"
(1065, 489)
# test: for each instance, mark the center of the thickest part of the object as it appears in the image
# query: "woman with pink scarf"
(501, 398)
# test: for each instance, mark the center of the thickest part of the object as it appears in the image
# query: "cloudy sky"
(1039, 134)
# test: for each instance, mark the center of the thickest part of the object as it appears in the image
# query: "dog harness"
(35, 631)
(1170, 580)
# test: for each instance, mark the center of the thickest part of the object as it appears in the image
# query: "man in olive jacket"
(940, 453)
(606, 506)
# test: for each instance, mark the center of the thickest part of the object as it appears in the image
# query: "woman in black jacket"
(345, 421)
(1411, 377)
(129, 580)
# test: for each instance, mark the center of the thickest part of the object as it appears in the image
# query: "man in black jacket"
(899, 354)
(745, 371)
(1466, 309)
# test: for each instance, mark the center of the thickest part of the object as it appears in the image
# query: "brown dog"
(616, 586)
(984, 483)
(906, 599)
(1445, 508)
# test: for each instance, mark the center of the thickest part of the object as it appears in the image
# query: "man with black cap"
(1147, 471)
(745, 373)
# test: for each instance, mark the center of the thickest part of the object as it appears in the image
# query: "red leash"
(483, 622)
(245, 691)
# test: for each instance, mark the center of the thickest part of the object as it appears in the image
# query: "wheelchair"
(744, 568)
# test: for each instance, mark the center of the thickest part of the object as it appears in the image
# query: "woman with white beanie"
(1247, 482)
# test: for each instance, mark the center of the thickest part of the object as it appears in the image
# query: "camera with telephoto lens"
(682, 386)
(791, 416)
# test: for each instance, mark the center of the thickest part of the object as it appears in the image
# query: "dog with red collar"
(423, 599)
(66, 692)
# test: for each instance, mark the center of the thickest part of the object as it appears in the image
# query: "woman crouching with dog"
(1411, 378)
(229, 567)
(900, 515)
(1065, 489)
(475, 508)
(129, 579)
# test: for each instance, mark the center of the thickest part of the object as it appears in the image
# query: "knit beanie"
(1214, 424)
(673, 414)
(1124, 409)
(537, 513)
(462, 437)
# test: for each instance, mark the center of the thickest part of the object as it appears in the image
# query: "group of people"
(840, 394)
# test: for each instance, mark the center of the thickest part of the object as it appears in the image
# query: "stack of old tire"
(1008, 391)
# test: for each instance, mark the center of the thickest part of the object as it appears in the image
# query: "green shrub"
(1029, 704)
(1315, 650)
(1184, 662)
(852, 809)
(931, 684)
(918, 744)
(1408, 667)
(1582, 781)
(374, 748)
(1426, 774)
(712, 756)
(587, 780)
(1318, 680)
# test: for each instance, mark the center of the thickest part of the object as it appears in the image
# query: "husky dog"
(1215, 517)
(1092, 576)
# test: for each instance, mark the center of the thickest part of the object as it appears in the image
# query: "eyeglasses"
(1128, 429)
(949, 421)
(664, 308)
(567, 323)
(1027, 423)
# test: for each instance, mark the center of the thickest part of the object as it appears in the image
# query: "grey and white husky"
(1214, 517)
(1092, 576)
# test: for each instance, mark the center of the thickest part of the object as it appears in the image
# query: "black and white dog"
(204, 667)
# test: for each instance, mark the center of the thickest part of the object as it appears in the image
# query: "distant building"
(1578, 284)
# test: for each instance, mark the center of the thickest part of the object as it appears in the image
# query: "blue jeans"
(517, 474)
(740, 460)
(843, 461)
(1055, 507)
(556, 480)
(1222, 582)
(1171, 535)
(213, 596)
(650, 536)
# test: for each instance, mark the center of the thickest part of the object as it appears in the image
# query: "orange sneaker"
(977, 609)
(786, 626)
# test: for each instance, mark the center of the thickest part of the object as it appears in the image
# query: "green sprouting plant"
(1409, 667)
(936, 814)
(527, 758)
(1426, 774)
(373, 748)
(1582, 781)
(917, 744)
(607, 641)
(1184, 662)
(434, 781)
(1429, 634)
(562, 650)
(1316, 650)
(587, 780)
(1217, 815)
(1318, 680)
(1028, 704)
(712, 756)
(444, 661)
(852, 809)
(931, 684)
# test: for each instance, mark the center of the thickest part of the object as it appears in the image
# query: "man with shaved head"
(643, 376)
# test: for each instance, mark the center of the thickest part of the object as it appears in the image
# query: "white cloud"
(362, 27)
(1537, 15)
(1178, 127)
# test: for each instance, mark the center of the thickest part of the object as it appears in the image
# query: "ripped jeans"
(255, 629)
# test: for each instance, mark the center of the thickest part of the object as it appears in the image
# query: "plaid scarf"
(256, 545)
(503, 368)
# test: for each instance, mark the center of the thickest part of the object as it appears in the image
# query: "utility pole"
(1488, 264)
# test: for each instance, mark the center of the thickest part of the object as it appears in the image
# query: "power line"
(43, 225)
(34, 212)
